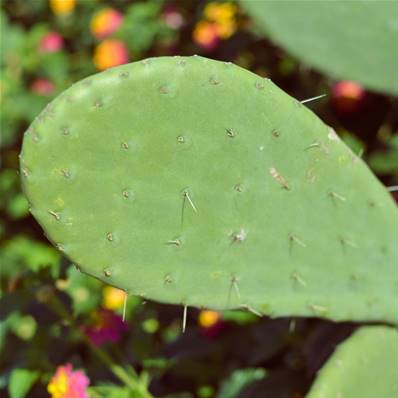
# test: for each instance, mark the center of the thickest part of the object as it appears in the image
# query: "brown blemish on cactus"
(65, 173)
(279, 178)
(98, 104)
(164, 90)
(372, 204)
(168, 279)
(230, 133)
(259, 86)
(181, 63)
(65, 130)
(238, 187)
(239, 237)
(55, 215)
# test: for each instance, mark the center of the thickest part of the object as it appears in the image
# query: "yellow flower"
(62, 7)
(113, 298)
(208, 318)
(225, 29)
(110, 53)
(220, 12)
(59, 387)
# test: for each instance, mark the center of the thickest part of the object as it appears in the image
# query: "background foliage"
(52, 314)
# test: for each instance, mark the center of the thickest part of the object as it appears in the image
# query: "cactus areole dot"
(164, 184)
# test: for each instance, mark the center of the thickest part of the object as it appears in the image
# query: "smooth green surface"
(363, 366)
(278, 216)
(354, 40)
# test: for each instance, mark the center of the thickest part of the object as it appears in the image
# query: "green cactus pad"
(192, 181)
(354, 40)
(364, 366)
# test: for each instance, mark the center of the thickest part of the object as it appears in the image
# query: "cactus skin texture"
(192, 181)
(336, 37)
(363, 366)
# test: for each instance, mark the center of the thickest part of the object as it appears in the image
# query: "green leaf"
(111, 391)
(354, 40)
(20, 253)
(85, 292)
(238, 380)
(21, 381)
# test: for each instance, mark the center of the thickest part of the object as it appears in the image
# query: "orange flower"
(113, 298)
(62, 7)
(105, 22)
(208, 318)
(205, 34)
(110, 53)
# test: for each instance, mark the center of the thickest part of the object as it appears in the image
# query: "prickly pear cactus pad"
(364, 366)
(347, 39)
(192, 181)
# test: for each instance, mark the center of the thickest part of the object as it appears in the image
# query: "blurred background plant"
(62, 333)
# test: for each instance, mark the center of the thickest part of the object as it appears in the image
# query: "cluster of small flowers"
(219, 23)
(67, 383)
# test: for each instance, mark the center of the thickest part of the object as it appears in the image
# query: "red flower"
(105, 326)
(42, 86)
(347, 96)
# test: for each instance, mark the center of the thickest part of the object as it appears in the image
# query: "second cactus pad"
(192, 181)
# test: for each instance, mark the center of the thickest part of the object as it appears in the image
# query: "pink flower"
(105, 22)
(105, 326)
(172, 18)
(347, 96)
(67, 383)
(51, 42)
(42, 86)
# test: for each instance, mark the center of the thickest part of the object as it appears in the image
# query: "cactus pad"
(354, 40)
(187, 180)
(364, 366)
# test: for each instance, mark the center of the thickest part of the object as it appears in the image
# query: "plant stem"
(117, 370)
